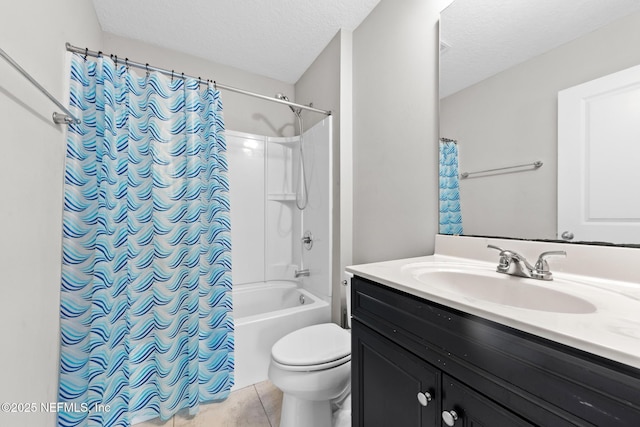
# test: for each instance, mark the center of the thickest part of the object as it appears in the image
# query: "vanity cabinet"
(390, 380)
(418, 363)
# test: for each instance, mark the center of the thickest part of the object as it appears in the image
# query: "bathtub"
(263, 313)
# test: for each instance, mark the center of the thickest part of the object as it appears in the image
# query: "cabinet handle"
(424, 398)
(449, 417)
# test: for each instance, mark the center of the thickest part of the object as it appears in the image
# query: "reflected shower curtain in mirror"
(146, 326)
(450, 214)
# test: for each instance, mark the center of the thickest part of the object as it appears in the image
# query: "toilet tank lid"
(312, 345)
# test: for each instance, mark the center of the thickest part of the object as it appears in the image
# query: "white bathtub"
(263, 313)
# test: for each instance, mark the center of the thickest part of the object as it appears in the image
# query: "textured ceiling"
(489, 36)
(273, 38)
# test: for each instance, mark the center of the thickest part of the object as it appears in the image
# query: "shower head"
(286, 98)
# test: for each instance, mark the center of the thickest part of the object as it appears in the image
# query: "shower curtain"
(146, 326)
(450, 214)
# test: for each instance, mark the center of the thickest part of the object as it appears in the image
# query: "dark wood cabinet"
(390, 380)
(475, 372)
(473, 409)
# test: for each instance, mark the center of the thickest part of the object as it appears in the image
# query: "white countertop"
(611, 331)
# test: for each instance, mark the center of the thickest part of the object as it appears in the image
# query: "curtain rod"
(148, 67)
(57, 117)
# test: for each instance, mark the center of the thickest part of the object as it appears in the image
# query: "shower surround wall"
(266, 224)
(317, 217)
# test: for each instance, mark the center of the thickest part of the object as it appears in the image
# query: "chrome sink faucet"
(514, 264)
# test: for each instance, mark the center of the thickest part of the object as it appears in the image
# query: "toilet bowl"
(312, 367)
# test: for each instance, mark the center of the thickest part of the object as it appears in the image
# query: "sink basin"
(504, 289)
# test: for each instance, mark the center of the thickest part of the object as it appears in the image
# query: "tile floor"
(258, 405)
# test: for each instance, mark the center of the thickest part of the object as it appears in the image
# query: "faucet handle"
(503, 263)
(496, 248)
(541, 269)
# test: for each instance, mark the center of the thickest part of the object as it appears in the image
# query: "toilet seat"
(310, 368)
(313, 348)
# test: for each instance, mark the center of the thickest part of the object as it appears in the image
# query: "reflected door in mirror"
(599, 159)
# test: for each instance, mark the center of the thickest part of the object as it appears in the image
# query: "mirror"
(502, 64)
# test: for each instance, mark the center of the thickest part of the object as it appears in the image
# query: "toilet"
(312, 367)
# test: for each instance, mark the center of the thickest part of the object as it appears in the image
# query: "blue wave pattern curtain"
(450, 214)
(146, 325)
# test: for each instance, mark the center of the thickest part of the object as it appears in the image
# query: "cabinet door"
(386, 382)
(464, 407)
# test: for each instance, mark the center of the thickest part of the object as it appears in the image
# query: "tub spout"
(304, 272)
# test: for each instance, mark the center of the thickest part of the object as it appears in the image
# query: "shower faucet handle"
(307, 240)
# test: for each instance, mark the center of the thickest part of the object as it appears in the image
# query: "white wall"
(395, 78)
(325, 83)
(241, 112)
(31, 181)
(511, 118)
